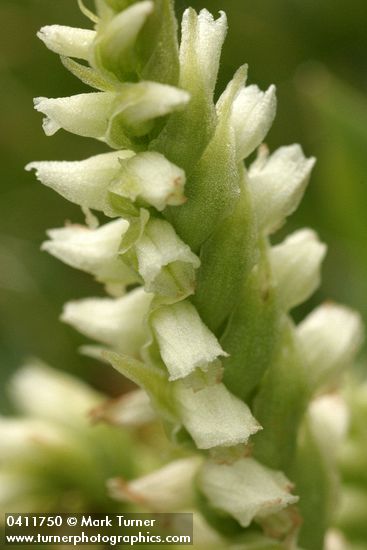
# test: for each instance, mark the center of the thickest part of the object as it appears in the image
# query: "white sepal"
(68, 41)
(329, 339)
(296, 264)
(185, 343)
(150, 177)
(169, 488)
(115, 39)
(165, 262)
(83, 114)
(131, 409)
(95, 251)
(82, 182)
(277, 183)
(201, 44)
(214, 417)
(118, 322)
(39, 391)
(253, 113)
(245, 489)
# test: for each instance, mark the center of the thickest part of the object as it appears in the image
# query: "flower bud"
(112, 48)
(68, 41)
(329, 339)
(185, 343)
(132, 409)
(277, 183)
(118, 323)
(253, 113)
(245, 489)
(151, 178)
(296, 266)
(95, 251)
(82, 182)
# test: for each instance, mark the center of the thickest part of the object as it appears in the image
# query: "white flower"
(84, 182)
(42, 392)
(165, 262)
(169, 488)
(253, 113)
(151, 177)
(95, 251)
(119, 322)
(214, 417)
(329, 339)
(296, 264)
(245, 489)
(277, 183)
(185, 343)
(201, 44)
(68, 41)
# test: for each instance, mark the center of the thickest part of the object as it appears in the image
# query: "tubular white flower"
(245, 489)
(253, 113)
(169, 488)
(83, 114)
(82, 182)
(103, 115)
(118, 323)
(185, 343)
(201, 44)
(68, 41)
(113, 43)
(277, 183)
(165, 262)
(296, 264)
(131, 409)
(152, 178)
(214, 417)
(95, 251)
(42, 392)
(329, 339)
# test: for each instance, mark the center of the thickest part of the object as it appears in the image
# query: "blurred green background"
(315, 51)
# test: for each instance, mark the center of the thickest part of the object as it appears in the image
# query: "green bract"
(201, 317)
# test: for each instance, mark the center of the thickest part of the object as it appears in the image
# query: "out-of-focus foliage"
(315, 54)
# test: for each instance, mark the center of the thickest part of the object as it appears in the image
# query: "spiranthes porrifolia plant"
(199, 309)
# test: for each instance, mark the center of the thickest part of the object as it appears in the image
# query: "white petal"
(277, 184)
(329, 339)
(84, 114)
(82, 182)
(131, 409)
(253, 113)
(95, 251)
(119, 34)
(115, 322)
(68, 41)
(152, 178)
(296, 264)
(169, 488)
(165, 262)
(245, 489)
(40, 391)
(214, 417)
(184, 341)
(201, 44)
